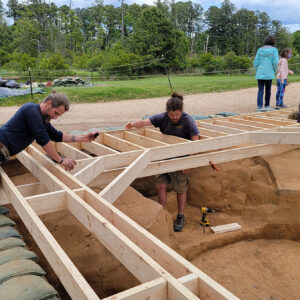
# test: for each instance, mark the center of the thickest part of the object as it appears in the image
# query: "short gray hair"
(58, 99)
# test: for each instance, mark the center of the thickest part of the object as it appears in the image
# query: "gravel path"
(97, 115)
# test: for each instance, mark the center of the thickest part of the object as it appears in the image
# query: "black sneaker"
(179, 223)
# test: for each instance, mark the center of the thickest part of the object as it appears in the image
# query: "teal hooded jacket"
(266, 62)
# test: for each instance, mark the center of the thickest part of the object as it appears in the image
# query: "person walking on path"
(178, 123)
(32, 122)
(283, 71)
(265, 64)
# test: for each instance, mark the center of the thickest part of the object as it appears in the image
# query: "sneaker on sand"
(179, 223)
(283, 106)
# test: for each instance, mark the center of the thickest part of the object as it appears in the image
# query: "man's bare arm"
(138, 124)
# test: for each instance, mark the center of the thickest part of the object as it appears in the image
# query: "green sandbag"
(4, 210)
(28, 287)
(16, 253)
(11, 242)
(18, 268)
(7, 231)
(5, 221)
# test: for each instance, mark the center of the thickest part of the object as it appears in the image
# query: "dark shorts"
(178, 179)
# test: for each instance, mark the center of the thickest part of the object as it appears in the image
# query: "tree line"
(140, 38)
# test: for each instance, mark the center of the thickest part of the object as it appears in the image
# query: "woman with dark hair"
(283, 71)
(265, 64)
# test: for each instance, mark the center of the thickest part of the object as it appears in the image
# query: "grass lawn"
(147, 88)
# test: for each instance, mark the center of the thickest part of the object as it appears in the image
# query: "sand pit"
(255, 269)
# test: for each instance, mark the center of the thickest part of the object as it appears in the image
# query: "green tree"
(296, 40)
(282, 36)
(26, 36)
(187, 17)
(14, 10)
(155, 35)
(19, 61)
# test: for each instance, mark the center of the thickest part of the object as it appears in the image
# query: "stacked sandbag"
(21, 278)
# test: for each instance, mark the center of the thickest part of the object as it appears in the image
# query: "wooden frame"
(121, 157)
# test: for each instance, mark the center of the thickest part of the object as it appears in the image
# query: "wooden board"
(226, 228)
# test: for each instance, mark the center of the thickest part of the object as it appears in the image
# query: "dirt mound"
(271, 270)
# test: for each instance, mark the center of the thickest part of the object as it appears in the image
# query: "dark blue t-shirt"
(185, 128)
(26, 126)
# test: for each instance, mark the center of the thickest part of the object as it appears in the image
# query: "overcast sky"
(288, 11)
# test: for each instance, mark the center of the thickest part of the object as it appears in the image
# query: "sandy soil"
(97, 115)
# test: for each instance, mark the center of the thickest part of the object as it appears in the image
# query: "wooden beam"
(58, 170)
(268, 120)
(168, 139)
(252, 123)
(211, 133)
(155, 289)
(191, 281)
(75, 284)
(97, 149)
(70, 152)
(217, 157)
(47, 203)
(119, 144)
(195, 161)
(237, 125)
(219, 128)
(142, 141)
(114, 190)
(32, 189)
(91, 171)
(292, 138)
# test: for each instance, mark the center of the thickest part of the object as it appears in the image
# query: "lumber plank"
(97, 148)
(119, 144)
(59, 171)
(70, 152)
(200, 160)
(48, 202)
(225, 228)
(89, 172)
(114, 190)
(75, 284)
(168, 139)
(268, 120)
(32, 189)
(219, 128)
(237, 125)
(241, 120)
(210, 132)
(155, 289)
(292, 138)
(142, 141)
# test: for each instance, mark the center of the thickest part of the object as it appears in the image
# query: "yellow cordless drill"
(205, 222)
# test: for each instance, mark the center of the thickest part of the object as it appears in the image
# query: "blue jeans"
(264, 84)
(280, 91)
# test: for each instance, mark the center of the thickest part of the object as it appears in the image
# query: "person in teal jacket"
(265, 64)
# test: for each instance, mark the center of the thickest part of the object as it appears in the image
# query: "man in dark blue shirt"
(32, 122)
(173, 122)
